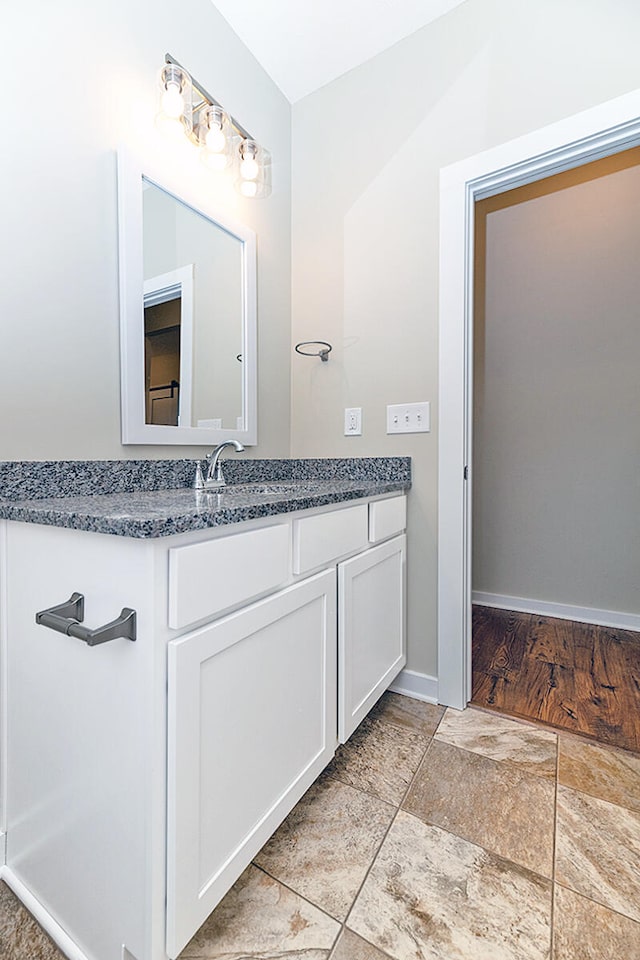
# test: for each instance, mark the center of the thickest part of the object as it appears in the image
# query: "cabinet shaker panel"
(252, 723)
(371, 629)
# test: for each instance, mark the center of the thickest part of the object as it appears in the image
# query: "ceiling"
(303, 44)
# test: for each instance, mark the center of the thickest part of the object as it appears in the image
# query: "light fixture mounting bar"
(207, 98)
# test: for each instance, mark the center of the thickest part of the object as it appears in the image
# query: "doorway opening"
(162, 361)
(599, 132)
(556, 531)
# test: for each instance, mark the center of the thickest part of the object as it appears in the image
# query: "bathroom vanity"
(144, 775)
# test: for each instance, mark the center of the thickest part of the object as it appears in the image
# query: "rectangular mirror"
(187, 315)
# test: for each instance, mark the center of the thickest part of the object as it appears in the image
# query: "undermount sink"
(290, 487)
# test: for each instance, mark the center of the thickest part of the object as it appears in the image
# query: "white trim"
(131, 170)
(4, 688)
(62, 940)
(420, 686)
(564, 611)
(608, 128)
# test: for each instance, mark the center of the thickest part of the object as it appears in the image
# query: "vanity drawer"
(206, 578)
(320, 539)
(387, 518)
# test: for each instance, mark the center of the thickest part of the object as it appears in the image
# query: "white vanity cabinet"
(251, 725)
(142, 777)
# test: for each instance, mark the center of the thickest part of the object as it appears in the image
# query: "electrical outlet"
(353, 422)
(409, 417)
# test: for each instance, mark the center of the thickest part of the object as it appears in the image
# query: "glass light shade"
(172, 101)
(215, 136)
(175, 107)
(253, 165)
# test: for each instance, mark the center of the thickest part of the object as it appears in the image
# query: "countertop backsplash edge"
(43, 479)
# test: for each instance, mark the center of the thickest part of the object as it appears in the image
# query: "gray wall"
(557, 393)
(83, 81)
(367, 150)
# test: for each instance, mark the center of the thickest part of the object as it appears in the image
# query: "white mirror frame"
(131, 170)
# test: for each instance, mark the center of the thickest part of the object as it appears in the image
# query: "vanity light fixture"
(215, 136)
(186, 108)
(175, 114)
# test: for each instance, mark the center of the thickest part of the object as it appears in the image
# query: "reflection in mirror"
(188, 334)
(208, 390)
(168, 333)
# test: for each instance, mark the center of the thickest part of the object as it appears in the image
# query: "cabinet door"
(252, 722)
(371, 629)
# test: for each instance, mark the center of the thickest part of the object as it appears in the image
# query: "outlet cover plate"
(409, 417)
(353, 422)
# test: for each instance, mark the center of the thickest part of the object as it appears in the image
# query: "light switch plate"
(353, 422)
(409, 417)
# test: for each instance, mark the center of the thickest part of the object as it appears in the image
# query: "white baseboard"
(564, 611)
(420, 686)
(61, 939)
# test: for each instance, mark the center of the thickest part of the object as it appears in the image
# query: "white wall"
(557, 391)
(81, 81)
(367, 150)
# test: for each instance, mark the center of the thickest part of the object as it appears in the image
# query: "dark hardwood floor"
(577, 676)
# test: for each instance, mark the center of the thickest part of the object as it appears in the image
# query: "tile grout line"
(509, 763)
(301, 896)
(375, 857)
(367, 793)
(393, 820)
(476, 843)
(598, 903)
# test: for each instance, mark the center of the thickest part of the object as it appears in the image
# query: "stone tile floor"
(435, 836)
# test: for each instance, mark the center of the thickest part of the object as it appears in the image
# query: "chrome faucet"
(214, 478)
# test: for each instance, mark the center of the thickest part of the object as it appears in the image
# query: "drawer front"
(323, 538)
(387, 518)
(207, 578)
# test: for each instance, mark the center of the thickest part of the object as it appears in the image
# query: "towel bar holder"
(323, 352)
(67, 618)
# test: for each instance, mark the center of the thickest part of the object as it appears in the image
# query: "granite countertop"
(163, 512)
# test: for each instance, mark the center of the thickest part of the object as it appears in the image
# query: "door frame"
(590, 135)
(171, 286)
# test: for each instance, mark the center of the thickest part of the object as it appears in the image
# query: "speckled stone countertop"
(152, 498)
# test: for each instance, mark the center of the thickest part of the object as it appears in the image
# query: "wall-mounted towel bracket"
(323, 352)
(67, 618)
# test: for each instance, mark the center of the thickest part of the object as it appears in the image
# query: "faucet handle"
(198, 483)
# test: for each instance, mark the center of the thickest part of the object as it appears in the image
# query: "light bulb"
(173, 101)
(215, 139)
(248, 188)
(249, 169)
